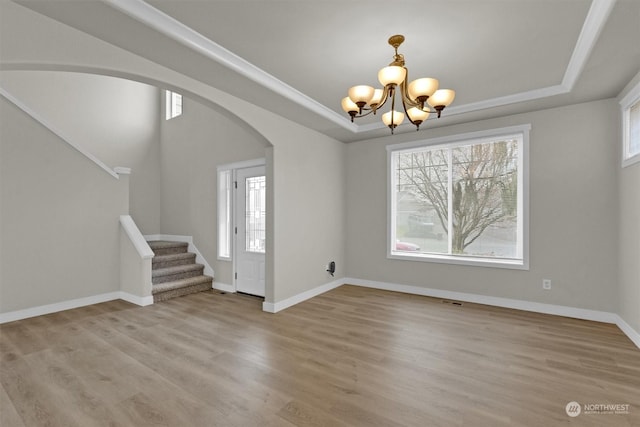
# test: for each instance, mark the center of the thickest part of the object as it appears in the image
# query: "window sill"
(511, 264)
(631, 160)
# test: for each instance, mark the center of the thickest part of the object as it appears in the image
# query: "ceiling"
(299, 57)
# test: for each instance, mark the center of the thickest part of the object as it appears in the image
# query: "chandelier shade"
(377, 97)
(422, 89)
(361, 95)
(393, 118)
(348, 105)
(417, 115)
(441, 98)
(392, 75)
(420, 97)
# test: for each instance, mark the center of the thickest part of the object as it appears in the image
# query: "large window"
(460, 199)
(631, 127)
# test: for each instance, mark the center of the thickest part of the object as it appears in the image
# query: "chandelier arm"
(417, 125)
(405, 92)
(406, 113)
(385, 98)
(368, 111)
(406, 99)
(393, 108)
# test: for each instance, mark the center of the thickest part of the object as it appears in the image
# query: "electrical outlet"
(331, 268)
(546, 284)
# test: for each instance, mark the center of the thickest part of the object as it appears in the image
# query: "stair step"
(168, 274)
(172, 260)
(176, 288)
(162, 247)
(174, 271)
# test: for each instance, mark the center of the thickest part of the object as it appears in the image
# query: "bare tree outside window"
(478, 183)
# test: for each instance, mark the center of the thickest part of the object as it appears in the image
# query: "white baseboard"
(55, 307)
(208, 270)
(296, 299)
(41, 310)
(134, 299)
(558, 310)
(633, 335)
(223, 287)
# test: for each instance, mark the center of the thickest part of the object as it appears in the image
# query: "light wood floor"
(350, 357)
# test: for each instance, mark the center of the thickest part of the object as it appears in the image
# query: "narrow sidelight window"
(225, 182)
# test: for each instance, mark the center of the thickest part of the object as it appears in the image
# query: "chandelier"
(420, 98)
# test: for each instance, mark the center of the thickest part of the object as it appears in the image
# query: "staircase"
(175, 272)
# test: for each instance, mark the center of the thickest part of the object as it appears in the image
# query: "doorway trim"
(233, 167)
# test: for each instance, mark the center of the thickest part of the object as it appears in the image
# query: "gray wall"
(573, 200)
(306, 168)
(629, 234)
(192, 147)
(306, 194)
(59, 229)
(309, 209)
(116, 120)
(630, 246)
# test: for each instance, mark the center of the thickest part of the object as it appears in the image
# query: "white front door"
(250, 230)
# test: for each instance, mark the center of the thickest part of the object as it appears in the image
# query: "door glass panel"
(255, 214)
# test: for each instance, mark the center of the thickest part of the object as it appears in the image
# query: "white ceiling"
(299, 57)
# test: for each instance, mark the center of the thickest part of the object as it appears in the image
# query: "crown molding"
(146, 14)
(594, 23)
(176, 30)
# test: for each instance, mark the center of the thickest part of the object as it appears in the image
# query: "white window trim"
(522, 216)
(231, 167)
(626, 103)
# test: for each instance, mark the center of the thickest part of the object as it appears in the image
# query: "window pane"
(176, 104)
(255, 214)
(461, 200)
(485, 199)
(224, 214)
(422, 201)
(634, 130)
(173, 104)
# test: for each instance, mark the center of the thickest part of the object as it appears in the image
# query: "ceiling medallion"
(420, 98)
